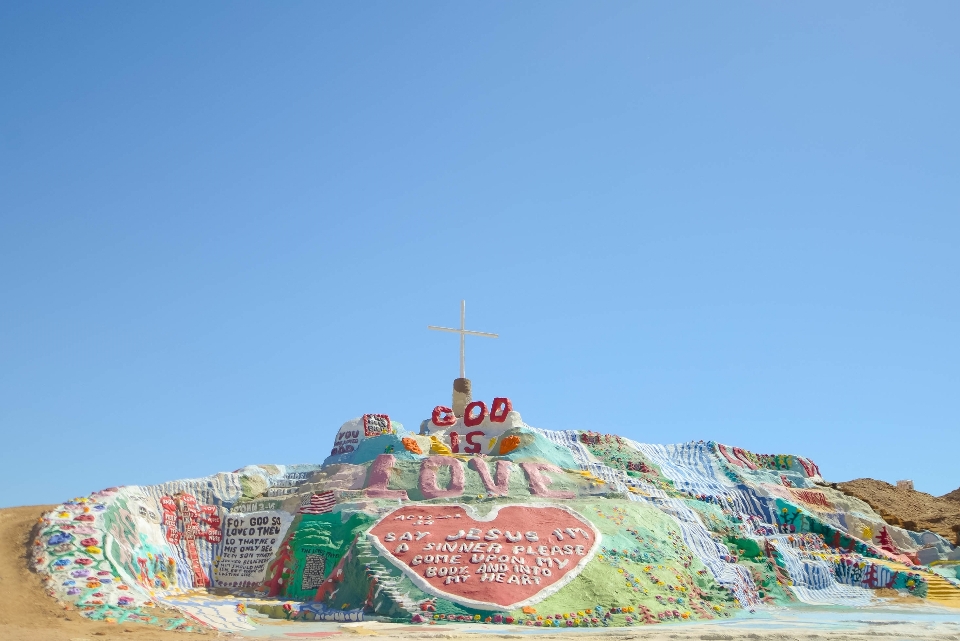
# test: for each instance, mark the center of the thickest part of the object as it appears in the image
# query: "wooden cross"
(463, 333)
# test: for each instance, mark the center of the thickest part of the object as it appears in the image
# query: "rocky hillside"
(909, 509)
(952, 496)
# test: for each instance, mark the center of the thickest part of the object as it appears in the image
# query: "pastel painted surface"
(555, 528)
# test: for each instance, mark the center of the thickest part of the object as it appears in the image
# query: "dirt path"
(28, 614)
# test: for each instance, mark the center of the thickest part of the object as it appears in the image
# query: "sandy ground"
(729, 631)
(28, 614)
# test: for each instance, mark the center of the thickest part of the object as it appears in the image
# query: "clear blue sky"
(224, 228)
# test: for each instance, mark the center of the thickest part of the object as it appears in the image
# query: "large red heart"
(515, 556)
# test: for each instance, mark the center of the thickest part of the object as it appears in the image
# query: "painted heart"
(516, 555)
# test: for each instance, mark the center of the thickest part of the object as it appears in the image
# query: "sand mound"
(909, 509)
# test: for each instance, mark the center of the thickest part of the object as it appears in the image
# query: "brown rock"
(952, 496)
(909, 509)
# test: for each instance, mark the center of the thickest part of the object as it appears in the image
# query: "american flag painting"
(319, 503)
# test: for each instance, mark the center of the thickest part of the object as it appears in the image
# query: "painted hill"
(483, 518)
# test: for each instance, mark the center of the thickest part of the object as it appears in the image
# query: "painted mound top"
(485, 518)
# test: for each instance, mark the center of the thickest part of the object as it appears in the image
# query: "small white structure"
(905, 484)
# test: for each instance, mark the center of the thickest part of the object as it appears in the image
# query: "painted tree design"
(280, 570)
(886, 542)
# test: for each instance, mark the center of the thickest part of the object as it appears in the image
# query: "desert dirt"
(28, 614)
(910, 509)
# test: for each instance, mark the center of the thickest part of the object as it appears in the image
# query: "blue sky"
(224, 228)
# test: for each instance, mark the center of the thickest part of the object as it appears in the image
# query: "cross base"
(461, 396)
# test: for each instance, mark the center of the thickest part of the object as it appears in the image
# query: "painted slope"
(493, 521)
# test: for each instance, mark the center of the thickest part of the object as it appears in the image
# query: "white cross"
(463, 332)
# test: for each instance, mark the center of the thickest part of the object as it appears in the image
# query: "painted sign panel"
(260, 505)
(313, 568)
(376, 425)
(249, 542)
(516, 555)
(348, 437)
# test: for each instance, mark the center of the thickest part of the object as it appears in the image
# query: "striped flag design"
(319, 503)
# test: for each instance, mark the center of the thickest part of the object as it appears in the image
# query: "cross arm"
(463, 331)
